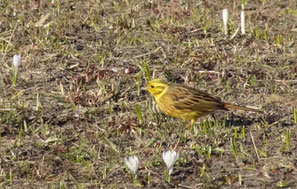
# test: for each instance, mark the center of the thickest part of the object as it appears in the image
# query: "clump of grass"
(279, 39)
(266, 32)
(147, 71)
(295, 114)
(234, 147)
(139, 114)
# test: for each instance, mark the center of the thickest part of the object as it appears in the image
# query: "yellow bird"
(184, 102)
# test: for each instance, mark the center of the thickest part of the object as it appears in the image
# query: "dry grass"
(78, 108)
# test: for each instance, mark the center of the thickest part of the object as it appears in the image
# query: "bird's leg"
(190, 123)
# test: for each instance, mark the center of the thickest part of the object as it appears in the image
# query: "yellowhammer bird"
(184, 102)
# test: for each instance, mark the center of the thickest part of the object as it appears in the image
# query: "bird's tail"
(235, 107)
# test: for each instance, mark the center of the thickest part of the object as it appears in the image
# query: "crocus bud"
(17, 60)
(170, 158)
(242, 19)
(225, 20)
(132, 163)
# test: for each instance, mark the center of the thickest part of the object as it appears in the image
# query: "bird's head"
(157, 87)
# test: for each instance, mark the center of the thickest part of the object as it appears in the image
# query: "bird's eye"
(152, 86)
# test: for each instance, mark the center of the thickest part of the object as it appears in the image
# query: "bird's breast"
(167, 106)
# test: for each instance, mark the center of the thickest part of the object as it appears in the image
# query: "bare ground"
(78, 109)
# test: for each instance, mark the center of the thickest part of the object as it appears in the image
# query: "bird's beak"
(143, 88)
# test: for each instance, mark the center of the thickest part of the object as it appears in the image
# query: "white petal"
(132, 163)
(225, 20)
(17, 61)
(170, 158)
(225, 16)
(242, 22)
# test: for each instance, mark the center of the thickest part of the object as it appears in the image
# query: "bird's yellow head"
(157, 87)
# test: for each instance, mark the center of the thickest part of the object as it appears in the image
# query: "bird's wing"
(188, 99)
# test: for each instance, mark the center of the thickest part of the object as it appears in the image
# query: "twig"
(254, 145)
(284, 82)
(206, 71)
(235, 33)
(281, 81)
(145, 54)
(196, 30)
(176, 145)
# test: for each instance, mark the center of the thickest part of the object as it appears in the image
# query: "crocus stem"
(135, 181)
(15, 77)
(167, 175)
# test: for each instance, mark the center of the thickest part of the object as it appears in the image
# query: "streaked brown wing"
(189, 99)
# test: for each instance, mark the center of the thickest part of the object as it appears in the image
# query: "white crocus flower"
(170, 158)
(132, 162)
(17, 60)
(225, 20)
(242, 22)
